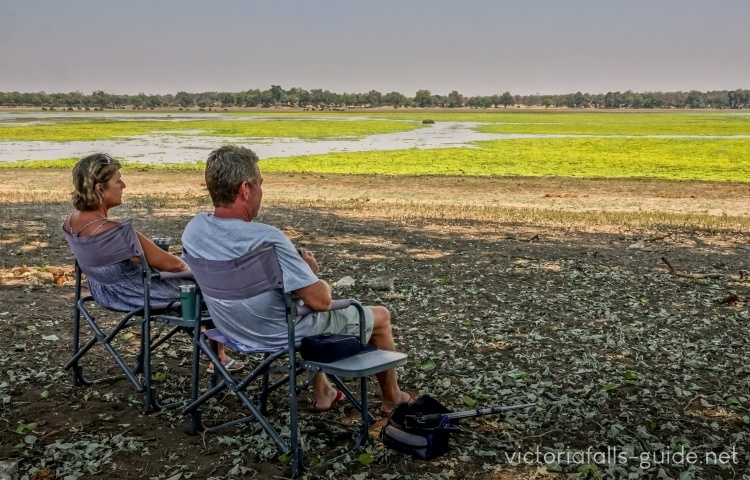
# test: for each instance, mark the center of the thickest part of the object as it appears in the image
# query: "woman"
(98, 186)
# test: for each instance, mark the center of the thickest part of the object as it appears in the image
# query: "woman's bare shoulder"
(85, 223)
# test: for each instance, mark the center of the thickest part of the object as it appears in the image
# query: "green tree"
(227, 99)
(695, 99)
(395, 99)
(653, 100)
(153, 101)
(276, 93)
(184, 99)
(373, 98)
(507, 99)
(349, 98)
(99, 98)
(455, 99)
(423, 98)
(612, 100)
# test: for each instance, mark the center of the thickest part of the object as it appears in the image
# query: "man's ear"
(244, 190)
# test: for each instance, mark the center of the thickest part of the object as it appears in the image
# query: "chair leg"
(105, 340)
(230, 383)
(143, 364)
(364, 435)
(298, 463)
(263, 395)
(350, 396)
(78, 378)
(149, 403)
(196, 424)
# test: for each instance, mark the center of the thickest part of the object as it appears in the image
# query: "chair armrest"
(303, 310)
(340, 305)
(166, 275)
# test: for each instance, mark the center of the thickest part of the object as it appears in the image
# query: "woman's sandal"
(232, 365)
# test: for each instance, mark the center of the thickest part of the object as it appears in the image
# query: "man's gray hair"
(226, 169)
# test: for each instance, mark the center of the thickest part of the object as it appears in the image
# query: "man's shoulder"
(198, 218)
(258, 228)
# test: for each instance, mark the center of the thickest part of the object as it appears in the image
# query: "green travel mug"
(187, 301)
(162, 243)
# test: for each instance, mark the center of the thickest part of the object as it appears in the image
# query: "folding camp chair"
(249, 276)
(112, 246)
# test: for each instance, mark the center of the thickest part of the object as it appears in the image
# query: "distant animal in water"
(428, 122)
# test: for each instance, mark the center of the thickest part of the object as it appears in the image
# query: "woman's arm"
(158, 258)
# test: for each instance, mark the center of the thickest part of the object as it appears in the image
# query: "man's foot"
(318, 407)
(386, 408)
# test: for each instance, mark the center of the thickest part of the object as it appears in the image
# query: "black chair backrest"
(244, 277)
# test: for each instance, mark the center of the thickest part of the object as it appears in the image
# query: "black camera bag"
(329, 347)
(425, 440)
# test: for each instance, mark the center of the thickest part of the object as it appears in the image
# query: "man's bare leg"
(382, 337)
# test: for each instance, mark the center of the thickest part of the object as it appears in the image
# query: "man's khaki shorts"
(347, 321)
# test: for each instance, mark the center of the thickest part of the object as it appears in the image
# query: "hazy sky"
(477, 47)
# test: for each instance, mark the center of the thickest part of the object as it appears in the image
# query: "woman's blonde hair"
(96, 168)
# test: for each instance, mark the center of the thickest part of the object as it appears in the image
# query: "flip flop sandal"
(388, 414)
(339, 397)
(232, 365)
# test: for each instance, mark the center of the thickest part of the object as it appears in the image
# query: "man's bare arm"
(316, 296)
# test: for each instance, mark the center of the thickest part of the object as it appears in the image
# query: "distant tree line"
(325, 100)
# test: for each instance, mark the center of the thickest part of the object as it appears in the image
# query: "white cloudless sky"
(478, 47)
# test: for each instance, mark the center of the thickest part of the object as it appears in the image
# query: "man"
(235, 184)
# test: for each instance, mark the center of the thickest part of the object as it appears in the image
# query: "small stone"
(380, 283)
(345, 282)
(43, 278)
(9, 470)
(637, 245)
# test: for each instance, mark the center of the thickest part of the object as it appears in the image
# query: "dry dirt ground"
(638, 373)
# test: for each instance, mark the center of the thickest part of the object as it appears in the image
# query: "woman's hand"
(158, 258)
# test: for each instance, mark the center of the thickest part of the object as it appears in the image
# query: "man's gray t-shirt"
(260, 321)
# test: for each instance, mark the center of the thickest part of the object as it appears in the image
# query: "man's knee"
(381, 317)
